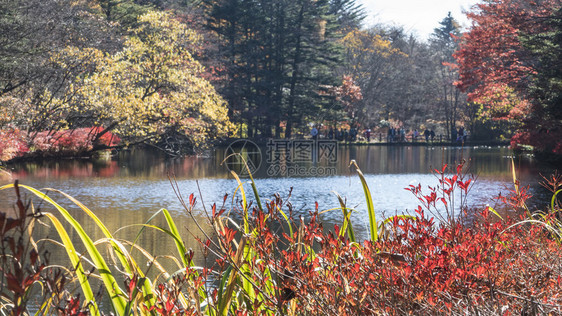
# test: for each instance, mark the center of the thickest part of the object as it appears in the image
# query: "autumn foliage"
(419, 266)
(427, 268)
(270, 263)
(348, 94)
(146, 88)
(12, 144)
(15, 143)
(507, 63)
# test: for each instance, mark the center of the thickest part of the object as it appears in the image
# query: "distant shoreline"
(263, 141)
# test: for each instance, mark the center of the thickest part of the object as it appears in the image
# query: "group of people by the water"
(393, 134)
(459, 136)
(401, 135)
(342, 134)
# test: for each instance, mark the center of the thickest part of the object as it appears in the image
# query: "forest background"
(80, 75)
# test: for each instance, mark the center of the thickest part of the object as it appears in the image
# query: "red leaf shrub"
(541, 140)
(418, 266)
(73, 141)
(427, 268)
(14, 143)
(63, 142)
(106, 139)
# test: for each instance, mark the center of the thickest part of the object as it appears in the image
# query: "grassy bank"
(262, 260)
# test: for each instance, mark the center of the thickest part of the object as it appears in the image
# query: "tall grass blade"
(246, 271)
(346, 220)
(286, 220)
(254, 188)
(245, 206)
(143, 227)
(115, 293)
(491, 209)
(517, 188)
(183, 254)
(176, 236)
(76, 263)
(514, 177)
(222, 300)
(553, 200)
(370, 207)
(556, 232)
(225, 300)
(151, 259)
(126, 260)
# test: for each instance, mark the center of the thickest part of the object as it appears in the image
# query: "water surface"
(135, 184)
(129, 189)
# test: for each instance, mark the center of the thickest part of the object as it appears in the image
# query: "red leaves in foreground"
(429, 269)
(418, 266)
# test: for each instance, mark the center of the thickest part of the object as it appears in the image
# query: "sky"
(418, 16)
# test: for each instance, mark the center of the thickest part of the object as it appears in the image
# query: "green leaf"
(370, 207)
(244, 201)
(125, 258)
(116, 295)
(553, 200)
(76, 263)
(346, 220)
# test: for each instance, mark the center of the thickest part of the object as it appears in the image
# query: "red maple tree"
(499, 68)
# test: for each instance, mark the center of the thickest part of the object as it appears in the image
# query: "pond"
(128, 189)
(135, 184)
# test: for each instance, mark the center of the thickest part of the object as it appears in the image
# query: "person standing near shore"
(426, 134)
(353, 134)
(460, 136)
(314, 133)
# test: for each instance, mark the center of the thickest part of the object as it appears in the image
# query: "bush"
(73, 142)
(12, 144)
(267, 262)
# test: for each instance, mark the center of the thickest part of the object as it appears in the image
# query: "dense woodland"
(78, 76)
(82, 75)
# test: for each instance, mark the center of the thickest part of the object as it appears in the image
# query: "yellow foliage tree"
(153, 86)
(369, 62)
(363, 48)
